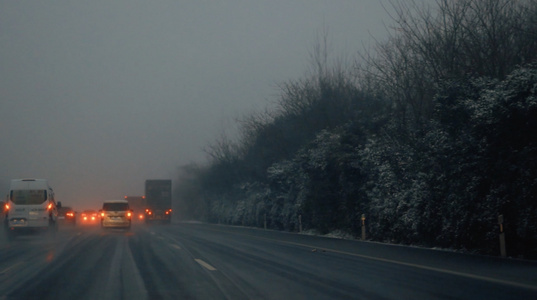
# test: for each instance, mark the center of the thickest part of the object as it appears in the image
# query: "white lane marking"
(114, 272)
(418, 266)
(423, 267)
(205, 265)
(10, 267)
(176, 247)
(132, 277)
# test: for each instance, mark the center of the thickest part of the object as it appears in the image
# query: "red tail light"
(6, 207)
(49, 207)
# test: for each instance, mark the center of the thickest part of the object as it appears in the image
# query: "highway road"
(200, 261)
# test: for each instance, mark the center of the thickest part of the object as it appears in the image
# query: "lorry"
(158, 201)
(30, 207)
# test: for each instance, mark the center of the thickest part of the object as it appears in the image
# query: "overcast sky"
(98, 96)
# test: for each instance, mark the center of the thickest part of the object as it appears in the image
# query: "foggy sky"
(97, 96)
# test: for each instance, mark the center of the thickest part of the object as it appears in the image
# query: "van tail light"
(49, 207)
(6, 207)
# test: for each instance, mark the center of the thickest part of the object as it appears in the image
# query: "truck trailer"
(158, 201)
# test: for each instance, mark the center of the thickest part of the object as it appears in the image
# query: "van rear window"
(115, 206)
(28, 197)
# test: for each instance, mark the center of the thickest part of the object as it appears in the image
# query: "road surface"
(199, 261)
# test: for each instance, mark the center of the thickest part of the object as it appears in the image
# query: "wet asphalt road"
(197, 261)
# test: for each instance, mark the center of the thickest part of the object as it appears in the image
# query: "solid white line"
(418, 266)
(205, 265)
(10, 267)
(176, 247)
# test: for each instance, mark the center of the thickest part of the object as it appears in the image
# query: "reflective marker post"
(363, 227)
(502, 237)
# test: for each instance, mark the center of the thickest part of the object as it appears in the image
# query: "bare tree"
(458, 40)
(223, 150)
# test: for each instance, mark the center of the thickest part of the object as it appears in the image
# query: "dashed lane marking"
(205, 265)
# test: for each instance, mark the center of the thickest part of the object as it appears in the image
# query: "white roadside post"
(502, 237)
(363, 227)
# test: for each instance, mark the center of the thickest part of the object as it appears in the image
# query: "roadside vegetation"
(431, 135)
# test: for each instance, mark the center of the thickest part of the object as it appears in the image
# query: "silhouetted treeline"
(431, 135)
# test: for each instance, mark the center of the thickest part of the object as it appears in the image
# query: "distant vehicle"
(30, 207)
(66, 215)
(89, 217)
(2, 208)
(158, 201)
(137, 204)
(116, 214)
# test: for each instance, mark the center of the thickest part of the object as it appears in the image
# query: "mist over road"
(198, 261)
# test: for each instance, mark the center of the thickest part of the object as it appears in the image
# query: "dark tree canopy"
(431, 136)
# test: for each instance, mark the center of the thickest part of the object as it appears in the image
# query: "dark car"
(89, 217)
(66, 215)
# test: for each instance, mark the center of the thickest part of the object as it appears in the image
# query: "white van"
(30, 207)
